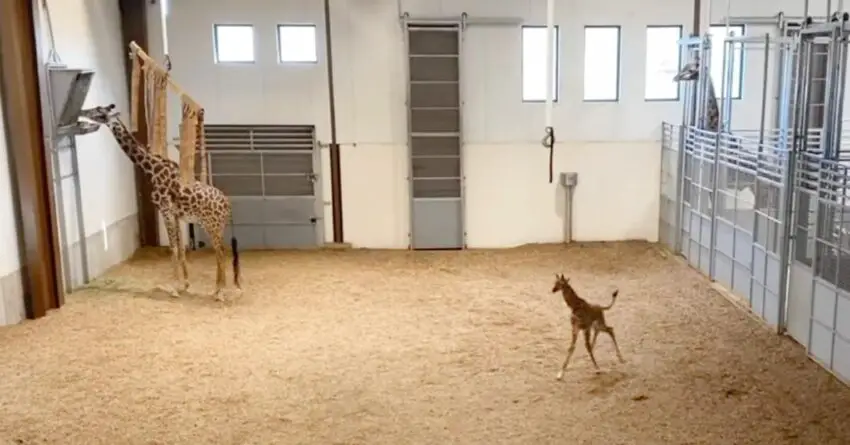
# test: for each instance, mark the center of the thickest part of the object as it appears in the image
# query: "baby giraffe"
(586, 317)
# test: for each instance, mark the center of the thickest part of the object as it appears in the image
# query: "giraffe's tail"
(613, 300)
(235, 250)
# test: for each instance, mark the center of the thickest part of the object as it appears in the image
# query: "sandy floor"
(335, 347)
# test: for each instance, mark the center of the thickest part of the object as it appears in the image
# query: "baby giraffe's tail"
(234, 248)
(613, 300)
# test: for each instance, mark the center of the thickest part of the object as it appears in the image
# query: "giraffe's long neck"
(712, 120)
(130, 146)
(570, 297)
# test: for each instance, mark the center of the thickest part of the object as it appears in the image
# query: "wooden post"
(134, 14)
(31, 175)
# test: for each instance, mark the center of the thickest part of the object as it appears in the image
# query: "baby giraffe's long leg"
(595, 329)
(589, 348)
(610, 331)
(570, 350)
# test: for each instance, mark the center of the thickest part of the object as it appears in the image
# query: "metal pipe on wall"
(697, 10)
(765, 74)
(465, 19)
(336, 173)
(549, 141)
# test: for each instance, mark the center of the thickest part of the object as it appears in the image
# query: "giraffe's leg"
(172, 228)
(215, 230)
(220, 257)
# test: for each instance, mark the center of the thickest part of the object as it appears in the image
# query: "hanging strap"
(52, 54)
(549, 142)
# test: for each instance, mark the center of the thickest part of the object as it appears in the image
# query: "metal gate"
(270, 173)
(69, 212)
(434, 137)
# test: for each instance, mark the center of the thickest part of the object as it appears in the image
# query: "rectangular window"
(663, 61)
(297, 43)
(718, 34)
(534, 63)
(601, 63)
(234, 43)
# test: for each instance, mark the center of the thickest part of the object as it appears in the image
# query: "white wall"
(10, 260)
(613, 146)
(88, 35)
(11, 299)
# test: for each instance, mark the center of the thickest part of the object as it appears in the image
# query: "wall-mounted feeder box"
(68, 90)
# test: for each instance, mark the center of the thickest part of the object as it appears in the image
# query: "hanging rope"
(188, 141)
(135, 83)
(150, 78)
(192, 143)
(160, 141)
(52, 54)
(201, 145)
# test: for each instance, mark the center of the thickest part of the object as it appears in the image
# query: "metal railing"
(772, 225)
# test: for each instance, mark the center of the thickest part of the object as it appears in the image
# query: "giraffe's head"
(561, 283)
(689, 72)
(100, 115)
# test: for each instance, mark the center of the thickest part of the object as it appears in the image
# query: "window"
(601, 63)
(718, 34)
(663, 61)
(534, 63)
(297, 43)
(234, 43)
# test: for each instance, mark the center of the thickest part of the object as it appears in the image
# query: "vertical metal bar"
(410, 179)
(460, 41)
(787, 87)
(697, 12)
(51, 151)
(336, 168)
(318, 191)
(262, 180)
(805, 82)
(816, 251)
(726, 86)
(781, 55)
(715, 201)
(837, 228)
(64, 243)
(786, 248)
(765, 73)
(680, 186)
(78, 201)
(841, 80)
(829, 98)
(550, 61)
(715, 169)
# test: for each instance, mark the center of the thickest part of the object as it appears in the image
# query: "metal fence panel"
(724, 207)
